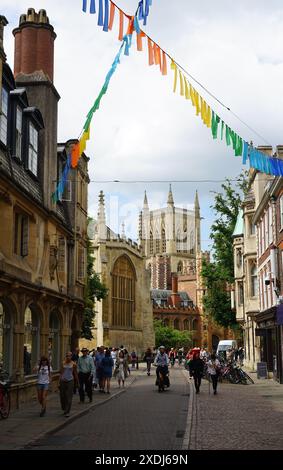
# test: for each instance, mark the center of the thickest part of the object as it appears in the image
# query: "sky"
(145, 132)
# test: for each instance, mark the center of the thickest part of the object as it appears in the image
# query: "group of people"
(84, 372)
(196, 363)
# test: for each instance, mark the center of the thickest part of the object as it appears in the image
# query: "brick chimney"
(33, 69)
(175, 296)
(34, 44)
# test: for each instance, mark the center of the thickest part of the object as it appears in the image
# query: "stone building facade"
(42, 243)
(125, 317)
(170, 240)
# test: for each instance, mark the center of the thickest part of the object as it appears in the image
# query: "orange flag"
(111, 18)
(156, 50)
(150, 52)
(121, 25)
(139, 41)
(164, 64)
(75, 155)
(130, 25)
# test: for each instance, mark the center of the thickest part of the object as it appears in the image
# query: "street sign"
(262, 370)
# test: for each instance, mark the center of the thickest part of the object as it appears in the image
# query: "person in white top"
(43, 380)
(213, 368)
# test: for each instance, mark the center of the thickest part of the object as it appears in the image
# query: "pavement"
(239, 417)
(24, 426)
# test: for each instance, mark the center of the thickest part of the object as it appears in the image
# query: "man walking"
(85, 373)
(196, 366)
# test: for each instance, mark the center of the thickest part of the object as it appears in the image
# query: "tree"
(170, 338)
(95, 289)
(219, 274)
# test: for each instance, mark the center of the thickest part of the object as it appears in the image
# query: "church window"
(180, 267)
(163, 239)
(157, 242)
(123, 293)
(151, 243)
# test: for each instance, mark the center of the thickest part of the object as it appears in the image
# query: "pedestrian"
(44, 370)
(75, 358)
(148, 358)
(121, 367)
(196, 366)
(133, 359)
(68, 380)
(27, 361)
(127, 358)
(107, 364)
(213, 368)
(114, 354)
(85, 373)
(98, 358)
(241, 355)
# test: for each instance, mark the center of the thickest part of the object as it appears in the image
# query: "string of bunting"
(157, 56)
(79, 147)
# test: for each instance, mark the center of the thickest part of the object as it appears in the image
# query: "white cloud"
(142, 130)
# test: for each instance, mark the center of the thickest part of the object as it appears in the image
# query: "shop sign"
(261, 370)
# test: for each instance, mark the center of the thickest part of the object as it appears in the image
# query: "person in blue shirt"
(107, 365)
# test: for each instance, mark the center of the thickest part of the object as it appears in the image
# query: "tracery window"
(123, 293)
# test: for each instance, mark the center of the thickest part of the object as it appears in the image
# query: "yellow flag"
(192, 95)
(187, 93)
(83, 140)
(208, 117)
(197, 103)
(174, 67)
(181, 83)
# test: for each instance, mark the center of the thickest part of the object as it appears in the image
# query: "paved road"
(241, 417)
(140, 418)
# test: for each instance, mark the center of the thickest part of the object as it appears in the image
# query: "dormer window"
(19, 126)
(4, 116)
(33, 149)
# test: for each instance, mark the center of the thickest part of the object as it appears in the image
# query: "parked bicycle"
(5, 401)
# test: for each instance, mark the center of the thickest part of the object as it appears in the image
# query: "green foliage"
(219, 274)
(170, 338)
(95, 290)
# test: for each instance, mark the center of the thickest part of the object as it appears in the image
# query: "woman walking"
(68, 380)
(107, 364)
(43, 380)
(148, 358)
(213, 368)
(121, 368)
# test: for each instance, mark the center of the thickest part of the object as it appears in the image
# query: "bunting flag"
(157, 56)
(57, 195)
(80, 146)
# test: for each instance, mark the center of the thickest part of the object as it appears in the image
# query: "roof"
(239, 227)
(164, 294)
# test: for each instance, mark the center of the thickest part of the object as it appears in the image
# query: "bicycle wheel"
(248, 378)
(5, 405)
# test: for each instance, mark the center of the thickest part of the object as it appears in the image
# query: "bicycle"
(5, 401)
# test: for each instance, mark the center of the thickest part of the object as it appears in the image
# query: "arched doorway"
(6, 336)
(31, 338)
(54, 340)
(123, 293)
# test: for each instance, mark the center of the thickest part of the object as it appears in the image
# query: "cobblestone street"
(239, 417)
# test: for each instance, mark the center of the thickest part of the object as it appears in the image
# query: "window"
(240, 293)
(270, 235)
(81, 263)
(33, 149)
(21, 234)
(239, 257)
(151, 243)
(4, 116)
(254, 282)
(19, 120)
(157, 243)
(251, 226)
(62, 255)
(123, 293)
(163, 238)
(180, 267)
(176, 324)
(31, 339)
(186, 325)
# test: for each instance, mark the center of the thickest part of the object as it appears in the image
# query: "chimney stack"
(34, 45)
